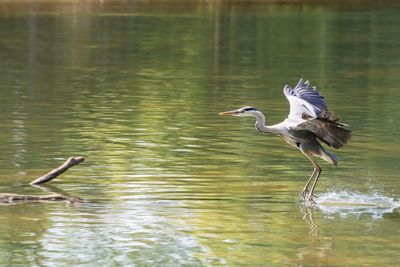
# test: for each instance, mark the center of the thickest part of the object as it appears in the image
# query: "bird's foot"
(310, 198)
(304, 193)
(307, 196)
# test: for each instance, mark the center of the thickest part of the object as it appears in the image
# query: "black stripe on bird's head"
(247, 109)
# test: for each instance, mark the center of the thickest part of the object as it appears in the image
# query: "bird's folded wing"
(331, 132)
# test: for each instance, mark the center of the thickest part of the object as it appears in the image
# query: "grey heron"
(308, 123)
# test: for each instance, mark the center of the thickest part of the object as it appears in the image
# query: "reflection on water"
(136, 88)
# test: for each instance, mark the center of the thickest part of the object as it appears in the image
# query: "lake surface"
(136, 88)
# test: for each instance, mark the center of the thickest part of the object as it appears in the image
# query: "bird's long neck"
(261, 127)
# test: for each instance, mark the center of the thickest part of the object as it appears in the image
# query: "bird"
(308, 124)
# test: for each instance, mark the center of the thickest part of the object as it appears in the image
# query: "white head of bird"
(241, 112)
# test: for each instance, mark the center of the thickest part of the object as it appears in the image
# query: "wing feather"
(304, 100)
(330, 131)
(309, 112)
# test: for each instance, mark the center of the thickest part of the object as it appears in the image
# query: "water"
(136, 88)
(351, 203)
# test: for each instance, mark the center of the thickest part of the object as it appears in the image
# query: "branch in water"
(10, 198)
(15, 198)
(72, 161)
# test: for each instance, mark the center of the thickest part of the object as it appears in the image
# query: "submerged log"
(13, 198)
(55, 194)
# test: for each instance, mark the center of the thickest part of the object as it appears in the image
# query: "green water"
(136, 88)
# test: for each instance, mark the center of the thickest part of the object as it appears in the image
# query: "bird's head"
(245, 111)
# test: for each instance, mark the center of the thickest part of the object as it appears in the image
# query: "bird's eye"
(249, 109)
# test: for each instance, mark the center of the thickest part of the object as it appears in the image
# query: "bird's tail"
(329, 157)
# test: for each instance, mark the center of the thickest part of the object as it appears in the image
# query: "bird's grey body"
(305, 141)
(308, 122)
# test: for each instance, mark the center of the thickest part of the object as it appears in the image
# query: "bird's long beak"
(229, 113)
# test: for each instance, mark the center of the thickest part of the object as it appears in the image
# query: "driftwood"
(55, 194)
(72, 161)
(13, 198)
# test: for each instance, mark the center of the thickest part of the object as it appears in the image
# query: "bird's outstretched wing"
(305, 101)
(308, 112)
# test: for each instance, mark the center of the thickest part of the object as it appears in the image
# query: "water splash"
(350, 203)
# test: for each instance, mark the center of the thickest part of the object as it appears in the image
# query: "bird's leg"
(305, 189)
(304, 192)
(310, 194)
